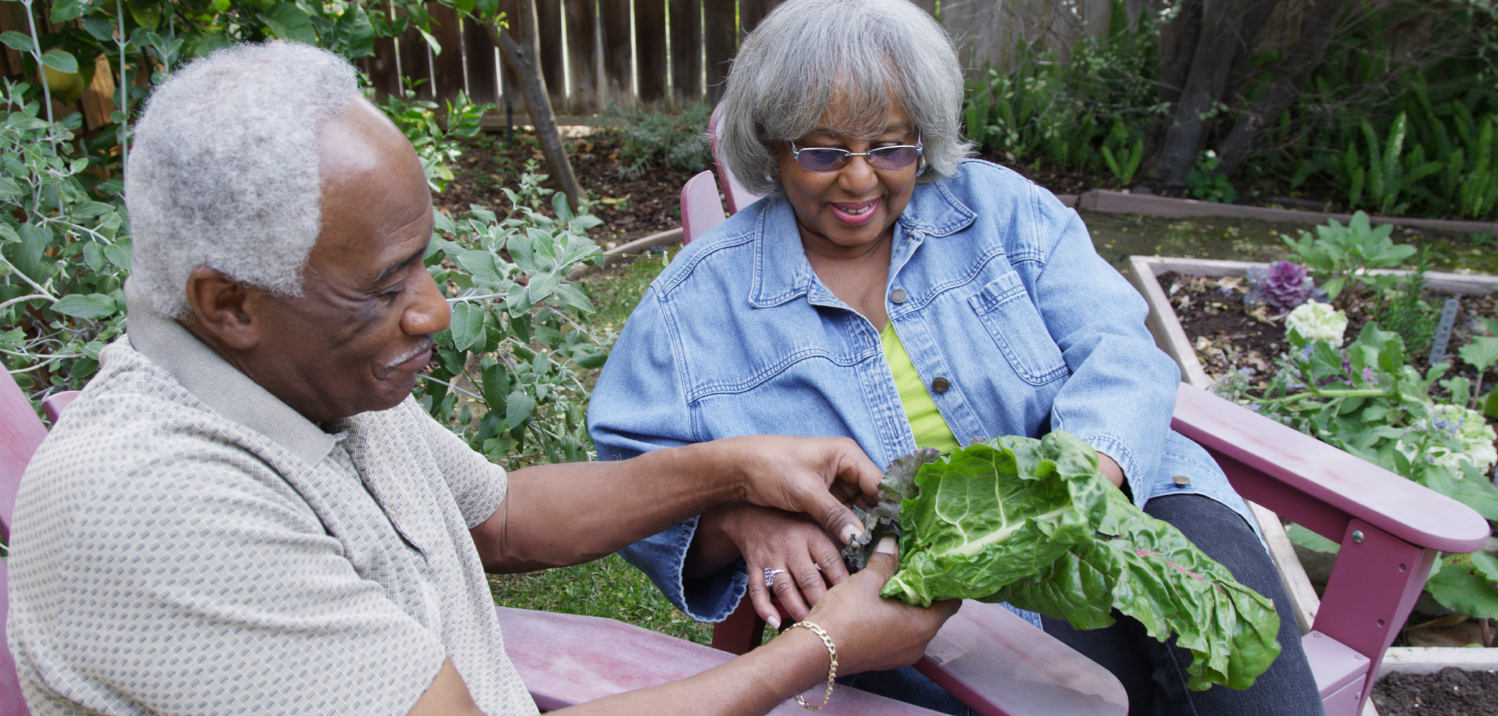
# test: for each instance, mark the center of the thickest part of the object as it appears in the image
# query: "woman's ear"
(223, 307)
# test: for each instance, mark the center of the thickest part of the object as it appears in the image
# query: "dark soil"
(1451, 692)
(1229, 335)
(630, 209)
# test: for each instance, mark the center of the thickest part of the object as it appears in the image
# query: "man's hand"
(817, 476)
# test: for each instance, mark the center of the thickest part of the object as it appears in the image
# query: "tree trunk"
(523, 59)
(1317, 28)
(1229, 28)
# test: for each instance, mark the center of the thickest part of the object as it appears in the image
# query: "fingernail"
(851, 530)
(886, 546)
(774, 622)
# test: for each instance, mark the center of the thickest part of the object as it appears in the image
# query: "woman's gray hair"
(224, 172)
(808, 54)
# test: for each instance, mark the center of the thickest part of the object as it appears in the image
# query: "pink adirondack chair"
(563, 659)
(1390, 529)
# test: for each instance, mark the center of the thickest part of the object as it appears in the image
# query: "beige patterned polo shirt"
(185, 543)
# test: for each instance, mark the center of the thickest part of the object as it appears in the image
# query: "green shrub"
(652, 139)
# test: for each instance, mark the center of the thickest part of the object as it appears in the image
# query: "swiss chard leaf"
(1033, 523)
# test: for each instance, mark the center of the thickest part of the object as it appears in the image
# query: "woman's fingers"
(788, 593)
(759, 596)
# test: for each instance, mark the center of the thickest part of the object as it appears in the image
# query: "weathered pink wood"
(12, 702)
(738, 197)
(565, 659)
(1319, 486)
(20, 433)
(701, 209)
(1000, 665)
(53, 406)
(1336, 667)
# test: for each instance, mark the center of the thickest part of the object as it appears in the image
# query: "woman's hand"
(873, 633)
(772, 539)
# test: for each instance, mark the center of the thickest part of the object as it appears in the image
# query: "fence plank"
(650, 50)
(509, 84)
(413, 56)
(98, 97)
(618, 68)
(447, 65)
(382, 68)
(686, 51)
(720, 38)
(483, 77)
(751, 12)
(553, 48)
(582, 56)
(13, 19)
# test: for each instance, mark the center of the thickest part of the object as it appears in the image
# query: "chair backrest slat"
(21, 431)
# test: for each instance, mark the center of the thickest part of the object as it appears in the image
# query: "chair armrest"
(567, 659)
(1319, 486)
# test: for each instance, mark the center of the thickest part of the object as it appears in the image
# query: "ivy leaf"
(1464, 584)
(496, 385)
(467, 326)
(99, 28)
(1310, 540)
(482, 266)
(519, 408)
(17, 41)
(290, 22)
(1481, 352)
(60, 61)
(93, 306)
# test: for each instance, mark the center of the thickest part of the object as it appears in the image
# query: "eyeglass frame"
(919, 148)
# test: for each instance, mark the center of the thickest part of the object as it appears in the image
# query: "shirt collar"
(781, 271)
(211, 379)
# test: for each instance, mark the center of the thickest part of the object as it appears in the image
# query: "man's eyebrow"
(401, 266)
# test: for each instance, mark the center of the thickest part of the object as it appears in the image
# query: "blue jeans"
(1153, 672)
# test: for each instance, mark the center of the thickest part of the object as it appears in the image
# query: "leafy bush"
(656, 138)
(508, 373)
(1341, 256)
(435, 143)
(63, 253)
(1368, 400)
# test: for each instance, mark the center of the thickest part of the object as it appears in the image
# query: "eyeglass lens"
(820, 159)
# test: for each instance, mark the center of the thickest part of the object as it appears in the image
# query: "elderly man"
(245, 512)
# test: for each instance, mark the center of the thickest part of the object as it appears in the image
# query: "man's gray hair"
(224, 172)
(864, 54)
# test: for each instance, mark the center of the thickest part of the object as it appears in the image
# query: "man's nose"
(429, 313)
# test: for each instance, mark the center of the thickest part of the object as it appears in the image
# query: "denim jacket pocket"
(1005, 309)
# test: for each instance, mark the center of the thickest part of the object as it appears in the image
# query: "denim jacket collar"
(782, 272)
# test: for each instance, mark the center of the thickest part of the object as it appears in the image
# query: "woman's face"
(851, 209)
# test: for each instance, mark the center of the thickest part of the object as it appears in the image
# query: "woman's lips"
(854, 214)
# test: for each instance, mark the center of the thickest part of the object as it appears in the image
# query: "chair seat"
(566, 659)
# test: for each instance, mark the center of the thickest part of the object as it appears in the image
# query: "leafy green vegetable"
(1033, 523)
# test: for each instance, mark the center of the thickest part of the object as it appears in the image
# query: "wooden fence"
(657, 53)
(668, 53)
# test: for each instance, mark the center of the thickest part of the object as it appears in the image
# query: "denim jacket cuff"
(1111, 447)
(705, 599)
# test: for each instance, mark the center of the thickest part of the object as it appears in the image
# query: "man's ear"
(224, 308)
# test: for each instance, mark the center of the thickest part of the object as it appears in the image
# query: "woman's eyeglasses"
(828, 159)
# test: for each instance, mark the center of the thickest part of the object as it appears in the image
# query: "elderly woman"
(894, 292)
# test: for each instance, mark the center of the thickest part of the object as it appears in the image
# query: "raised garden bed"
(1173, 339)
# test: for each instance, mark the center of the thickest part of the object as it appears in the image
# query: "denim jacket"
(1011, 318)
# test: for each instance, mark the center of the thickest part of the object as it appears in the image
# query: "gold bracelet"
(831, 672)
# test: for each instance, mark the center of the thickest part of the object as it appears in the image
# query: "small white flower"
(1317, 322)
(1467, 437)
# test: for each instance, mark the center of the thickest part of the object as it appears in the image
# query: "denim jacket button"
(897, 296)
(941, 384)
(1181, 480)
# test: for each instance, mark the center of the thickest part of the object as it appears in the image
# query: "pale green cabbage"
(1033, 523)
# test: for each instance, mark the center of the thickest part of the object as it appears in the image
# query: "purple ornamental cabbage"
(1283, 286)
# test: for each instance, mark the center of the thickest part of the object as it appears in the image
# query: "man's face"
(355, 339)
